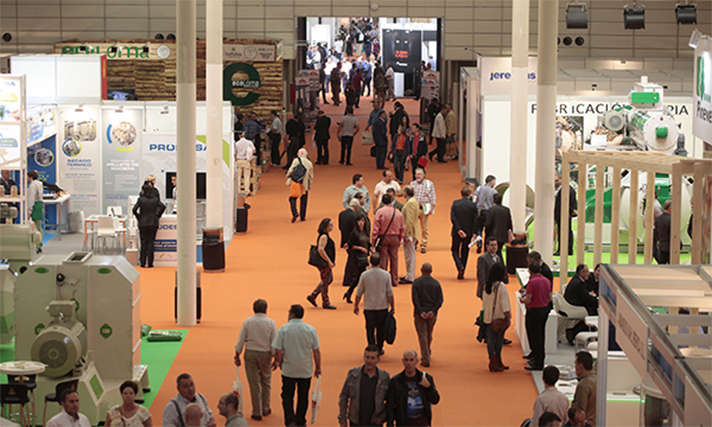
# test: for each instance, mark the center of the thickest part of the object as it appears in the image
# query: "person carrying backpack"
(299, 179)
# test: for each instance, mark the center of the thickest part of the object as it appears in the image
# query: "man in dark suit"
(578, 293)
(535, 256)
(557, 214)
(463, 215)
(6, 181)
(347, 222)
(485, 263)
(380, 139)
(499, 223)
(662, 233)
(397, 119)
(321, 136)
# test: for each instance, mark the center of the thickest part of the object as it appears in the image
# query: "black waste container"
(516, 257)
(213, 250)
(241, 225)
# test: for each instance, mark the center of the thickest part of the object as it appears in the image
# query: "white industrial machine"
(80, 315)
(647, 121)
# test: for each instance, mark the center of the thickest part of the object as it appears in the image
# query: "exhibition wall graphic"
(121, 154)
(10, 118)
(78, 154)
(702, 96)
(42, 157)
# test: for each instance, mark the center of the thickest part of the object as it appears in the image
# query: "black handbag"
(315, 258)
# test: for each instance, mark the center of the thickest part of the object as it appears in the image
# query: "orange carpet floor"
(269, 261)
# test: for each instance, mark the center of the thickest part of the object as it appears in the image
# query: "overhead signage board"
(497, 75)
(250, 52)
(702, 96)
(156, 50)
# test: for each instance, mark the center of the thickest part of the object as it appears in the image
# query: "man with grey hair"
(411, 393)
(175, 411)
(299, 186)
(410, 210)
(427, 295)
(662, 232)
(228, 406)
(256, 337)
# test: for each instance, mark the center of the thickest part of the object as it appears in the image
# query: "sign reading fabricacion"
(702, 96)
(240, 83)
(251, 52)
(119, 50)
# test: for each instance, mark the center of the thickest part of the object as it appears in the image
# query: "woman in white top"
(129, 413)
(495, 303)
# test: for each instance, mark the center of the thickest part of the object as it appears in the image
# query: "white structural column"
(185, 153)
(213, 74)
(520, 95)
(546, 130)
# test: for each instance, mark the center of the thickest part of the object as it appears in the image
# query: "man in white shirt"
(339, 48)
(440, 134)
(256, 337)
(424, 190)
(295, 345)
(386, 183)
(551, 399)
(70, 416)
(174, 411)
(244, 150)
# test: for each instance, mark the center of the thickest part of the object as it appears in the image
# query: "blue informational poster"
(42, 157)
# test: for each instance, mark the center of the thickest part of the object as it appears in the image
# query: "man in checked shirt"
(425, 195)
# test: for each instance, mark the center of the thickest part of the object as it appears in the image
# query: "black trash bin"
(198, 298)
(516, 257)
(213, 250)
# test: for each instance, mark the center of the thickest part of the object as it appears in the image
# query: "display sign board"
(632, 335)
(78, 151)
(250, 52)
(241, 82)
(430, 84)
(497, 75)
(702, 96)
(12, 113)
(121, 154)
(41, 126)
(155, 50)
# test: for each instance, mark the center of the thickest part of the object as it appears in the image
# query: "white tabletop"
(22, 367)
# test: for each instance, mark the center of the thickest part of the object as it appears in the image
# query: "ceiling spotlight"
(576, 16)
(634, 17)
(7, 37)
(170, 36)
(158, 36)
(686, 14)
(694, 38)
(567, 41)
(579, 41)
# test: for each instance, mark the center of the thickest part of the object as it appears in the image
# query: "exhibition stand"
(670, 352)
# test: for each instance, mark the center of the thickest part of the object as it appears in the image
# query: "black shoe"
(347, 297)
(349, 164)
(294, 218)
(430, 156)
(256, 417)
(461, 274)
(403, 281)
(381, 352)
(267, 412)
(317, 163)
(506, 341)
(329, 307)
(311, 300)
(528, 356)
(570, 336)
(442, 161)
(534, 368)
(341, 162)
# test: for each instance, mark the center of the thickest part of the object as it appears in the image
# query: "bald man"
(193, 414)
(411, 394)
(300, 189)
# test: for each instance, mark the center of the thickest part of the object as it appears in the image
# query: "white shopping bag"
(237, 388)
(316, 399)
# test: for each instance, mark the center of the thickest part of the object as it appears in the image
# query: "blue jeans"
(494, 343)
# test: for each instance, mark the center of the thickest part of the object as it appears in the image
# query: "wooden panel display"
(154, 79)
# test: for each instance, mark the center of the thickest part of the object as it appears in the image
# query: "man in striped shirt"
(424, 190)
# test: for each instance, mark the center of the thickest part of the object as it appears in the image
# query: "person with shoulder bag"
(497, 315)
(327, 251)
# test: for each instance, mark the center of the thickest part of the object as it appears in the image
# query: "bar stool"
(29, 381)
(14, 394)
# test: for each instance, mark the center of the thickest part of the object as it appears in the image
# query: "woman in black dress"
(359, 249)
(327, 250)
(148, 210)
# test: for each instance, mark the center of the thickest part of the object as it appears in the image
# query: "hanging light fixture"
(576, 16)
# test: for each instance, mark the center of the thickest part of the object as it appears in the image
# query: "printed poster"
(42, 157)
(78, 154)
(121, 155)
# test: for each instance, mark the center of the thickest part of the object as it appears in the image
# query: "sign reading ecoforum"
(702, 124)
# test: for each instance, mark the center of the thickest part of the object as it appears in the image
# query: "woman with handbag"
(419, 147)
(327, 252)
(359, 249)
(497, 315)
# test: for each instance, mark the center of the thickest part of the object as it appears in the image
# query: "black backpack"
(299, 172)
